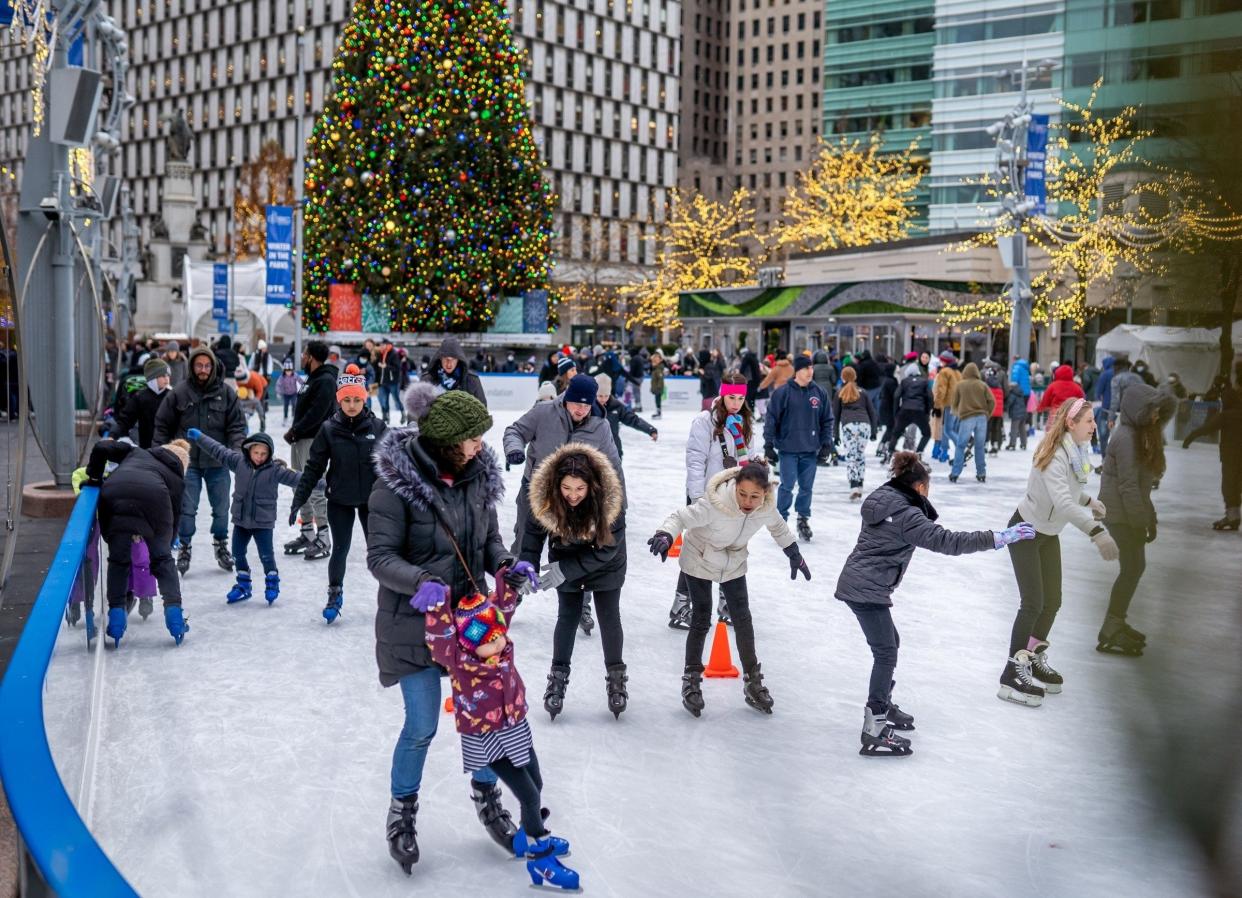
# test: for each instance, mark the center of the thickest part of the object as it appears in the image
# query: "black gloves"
(796, 562)
(769, 452)
(516, 457)
(660, 544)
(293, 517)
(1151, 532)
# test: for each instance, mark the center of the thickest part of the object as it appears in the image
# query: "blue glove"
(431, 595)
(523, 577)
(194, 433)
(1014, 534)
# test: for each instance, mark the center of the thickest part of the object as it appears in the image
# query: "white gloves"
(1105, 545)
(1097, 509)
(551, 577)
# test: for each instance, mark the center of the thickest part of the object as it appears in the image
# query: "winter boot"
(117, 620)
(402, 836)
(722, 612)
(176, 622)
(616, 679)
(878, 738)
(1043, 672)
(242, 589)
(223, 556)
(183, 559)
(587, 621)
(271, 588)
(756, 694)
(692, 691)
(554, 695)
(336, 598)
(301, 544)
(679, 614)
(804, 529)
(493, 816)
(1016, 684)
(1116, 637)
(544, 867)
(320, 548)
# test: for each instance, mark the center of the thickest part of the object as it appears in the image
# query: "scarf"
(733, 425)
(1080, 458)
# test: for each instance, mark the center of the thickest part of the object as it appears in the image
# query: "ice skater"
(897, 519)
(1055, 497)
(856, 422)
(718, 527)
(799, 428)
(1228, 423)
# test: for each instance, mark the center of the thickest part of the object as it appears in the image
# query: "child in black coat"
(897, 519)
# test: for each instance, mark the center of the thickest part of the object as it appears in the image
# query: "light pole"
(299, 201)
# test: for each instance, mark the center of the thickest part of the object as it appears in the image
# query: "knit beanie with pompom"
(449, 418)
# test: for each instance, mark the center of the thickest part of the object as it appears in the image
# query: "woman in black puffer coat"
(436, 492)
(576, 504)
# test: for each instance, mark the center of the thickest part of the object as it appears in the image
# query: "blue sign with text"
(279, 255)
(220, 291)
(1036, 189)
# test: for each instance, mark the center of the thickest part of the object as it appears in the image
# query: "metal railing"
(60, 857)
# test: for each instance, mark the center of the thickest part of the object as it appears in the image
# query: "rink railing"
(59, 856)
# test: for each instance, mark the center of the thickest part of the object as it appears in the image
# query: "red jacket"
(999, 411)
(1061, 389)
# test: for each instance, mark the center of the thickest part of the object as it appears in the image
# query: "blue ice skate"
(522, 845)
(272, 590)
(241, 590)
(178, 625)
(117, 619)
(543, 864)
(336, 598)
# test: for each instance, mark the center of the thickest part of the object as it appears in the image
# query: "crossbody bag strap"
(456, 548)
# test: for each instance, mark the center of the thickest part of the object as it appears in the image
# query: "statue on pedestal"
(180, 138)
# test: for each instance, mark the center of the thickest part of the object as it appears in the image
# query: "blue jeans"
(978, 428)
(421, 693)
(1101, 428)
(949, 433)
(217, 480)
(262, 544)
(800, 467)
(390, 393)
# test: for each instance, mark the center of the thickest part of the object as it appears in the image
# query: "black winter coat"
(315, 403)
(860, 411)
(407, 544)
(913, 394)
(139, 410)
(896, 521)
(143, 494)
(888, 397)
(1228, 421)
(869, 373)
(343, 448)
(617, 414)
(213, 409)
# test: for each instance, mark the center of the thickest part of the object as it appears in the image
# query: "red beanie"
(351, 383)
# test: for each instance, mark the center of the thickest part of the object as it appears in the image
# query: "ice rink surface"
(254, 759)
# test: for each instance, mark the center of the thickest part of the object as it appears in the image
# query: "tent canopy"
(1192, 353)
(249, 303)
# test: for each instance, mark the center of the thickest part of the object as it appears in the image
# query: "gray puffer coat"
(254, 488)
(547, 427)
(407, 544)
(896, 521)
(1125, 484)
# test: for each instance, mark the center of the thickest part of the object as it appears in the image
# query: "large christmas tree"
(423, 182)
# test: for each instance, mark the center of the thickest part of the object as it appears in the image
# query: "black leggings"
(1132, 543)
(608, 612)
(120, 545)
(1037, 566)
(341, 524)
(877, 625)
(734, 592)
(526, 784)
(906, 417)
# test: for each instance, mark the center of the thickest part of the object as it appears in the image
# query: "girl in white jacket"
(721, 437)
(718, 526)
(1055, 497)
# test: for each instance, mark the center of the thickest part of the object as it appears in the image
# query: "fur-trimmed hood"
(404, 466)
(545, 503)
(723, 497)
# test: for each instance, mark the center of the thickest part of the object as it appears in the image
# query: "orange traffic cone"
(675, 550)
(448, 705)
(721, 662)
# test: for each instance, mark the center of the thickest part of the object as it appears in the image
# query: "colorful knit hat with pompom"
(478, 622)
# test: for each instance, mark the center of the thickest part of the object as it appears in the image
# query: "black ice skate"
(755, 693)
(679, 614)
(692, 691)
(722, 612)
(299, 545)
(899, 719)
(587, 622)
(145, 607)
(554, 695)
(402, 836)
(321, 547)
(878, 738)
(183, 559)
(804, 529)
(1016, 684)
(1043, 673)
(223, 557)
(617, 696)
(1117, 637)
(1227, 523)
(493, 816)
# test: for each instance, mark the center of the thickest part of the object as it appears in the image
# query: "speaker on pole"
(73, 101)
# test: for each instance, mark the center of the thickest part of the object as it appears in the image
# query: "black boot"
(554, 695)
(804, 529)
(493, 816)
(617, 696)
(183, 559)
(223, 557)
(402, 836)
(692, 691)
(757, 695)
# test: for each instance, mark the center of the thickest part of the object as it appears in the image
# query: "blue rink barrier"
(60, 857)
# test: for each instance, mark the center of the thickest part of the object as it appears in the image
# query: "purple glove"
(430, 596)
(523, 577)
(660, 544)
(1014, 534)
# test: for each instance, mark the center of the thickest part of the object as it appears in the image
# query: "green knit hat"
(454, 417)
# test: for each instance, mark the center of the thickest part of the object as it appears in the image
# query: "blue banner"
(279, 255)
(220, 291)
(535, 312)
(1036, 189)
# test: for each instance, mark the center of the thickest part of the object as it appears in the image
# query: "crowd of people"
(427, 494)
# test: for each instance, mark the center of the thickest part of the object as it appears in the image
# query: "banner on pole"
(345, 308)
(279, 255)
(1036, 189)
(220, 291)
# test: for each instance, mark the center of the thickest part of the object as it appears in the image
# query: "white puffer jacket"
(716, 530)
(1055, 497)
(704, 455)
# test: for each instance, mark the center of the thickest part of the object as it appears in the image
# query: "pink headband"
(1075, 408)
(733, 389)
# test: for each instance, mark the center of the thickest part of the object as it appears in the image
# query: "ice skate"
(1227, 523)
(242, 590)
(520, 845)
(544, 867)
(183, 559)
(899, 719)
(554, 695)
(755, 693)
(299, 545)
(178, 625)
(336, 598)
(692, 691)
(145, 607)
(804, 529)
(855, 492)
(878, 738)
(321, 547)
(1116, 637)
(1042, 672)
(493, 816)
(722, 612)
(1016, 684)
(117, 621)
(130, 602)
(679, 614)
(73, 613)
(402, 836)
(223, 557)
(586, 622)
(982, 478)
(617, 696)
